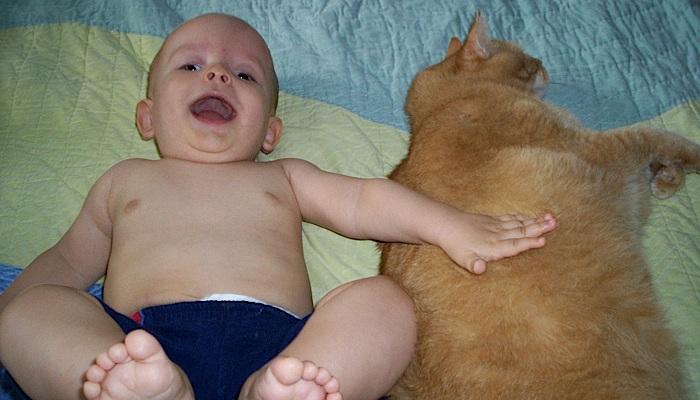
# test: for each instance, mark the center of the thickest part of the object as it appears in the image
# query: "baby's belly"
(283, 283)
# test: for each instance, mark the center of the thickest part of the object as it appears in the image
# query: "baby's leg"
(363, 333)
(49, 337)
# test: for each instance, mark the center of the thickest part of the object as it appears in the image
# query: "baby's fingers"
(516, 246)
(477, 266)
(528, 228)
(505, 248)
(473, 263)
(516, 218)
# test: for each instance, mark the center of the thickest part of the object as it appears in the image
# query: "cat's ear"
(478, 42)
(454, 46)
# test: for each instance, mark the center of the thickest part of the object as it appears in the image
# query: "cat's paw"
(666, 178)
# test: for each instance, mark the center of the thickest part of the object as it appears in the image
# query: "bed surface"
(74, 70)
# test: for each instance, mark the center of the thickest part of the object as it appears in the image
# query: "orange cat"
(576, 319)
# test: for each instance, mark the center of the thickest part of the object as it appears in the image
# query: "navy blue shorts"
(218, 344)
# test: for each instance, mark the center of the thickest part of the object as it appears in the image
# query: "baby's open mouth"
(212, 109)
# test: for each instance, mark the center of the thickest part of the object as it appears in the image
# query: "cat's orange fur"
(576, 319)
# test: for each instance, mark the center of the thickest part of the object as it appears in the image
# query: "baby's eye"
(245, 77)
(191, 67)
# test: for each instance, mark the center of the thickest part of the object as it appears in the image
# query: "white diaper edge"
(242, 297)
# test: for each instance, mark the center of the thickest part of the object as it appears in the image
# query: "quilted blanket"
(74, 70)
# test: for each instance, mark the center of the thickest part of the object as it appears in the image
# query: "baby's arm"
(384, 210)
(80, 257)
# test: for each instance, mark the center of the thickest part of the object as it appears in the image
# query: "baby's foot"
(287, 378)
(136, 369)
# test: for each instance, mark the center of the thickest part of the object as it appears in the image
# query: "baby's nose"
(218, 73)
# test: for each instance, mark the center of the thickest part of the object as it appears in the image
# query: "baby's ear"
(144, 118)
(273, 135)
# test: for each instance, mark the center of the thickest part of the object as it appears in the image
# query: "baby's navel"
(131, 206)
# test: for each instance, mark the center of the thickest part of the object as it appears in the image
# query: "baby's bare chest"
(206, 197)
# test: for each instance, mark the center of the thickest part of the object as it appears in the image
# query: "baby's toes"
(91, 390)
(310, 371)
(334, 396)
(332, 386)
(118, 353)
(323, 376)
(95, 373)
(286, 370)
(104, 361)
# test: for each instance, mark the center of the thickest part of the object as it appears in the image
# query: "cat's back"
(558, 322)
(547, 313)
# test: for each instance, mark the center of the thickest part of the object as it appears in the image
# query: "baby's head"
(212, 93)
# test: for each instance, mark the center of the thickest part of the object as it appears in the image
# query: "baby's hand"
(473, 239)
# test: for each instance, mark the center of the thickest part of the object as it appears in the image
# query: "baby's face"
(211, 93)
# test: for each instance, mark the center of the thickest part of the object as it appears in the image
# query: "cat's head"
(480, 58)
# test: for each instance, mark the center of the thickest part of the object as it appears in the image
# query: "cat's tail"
(667, 155)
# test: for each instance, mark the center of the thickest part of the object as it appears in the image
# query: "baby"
(206, 294)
